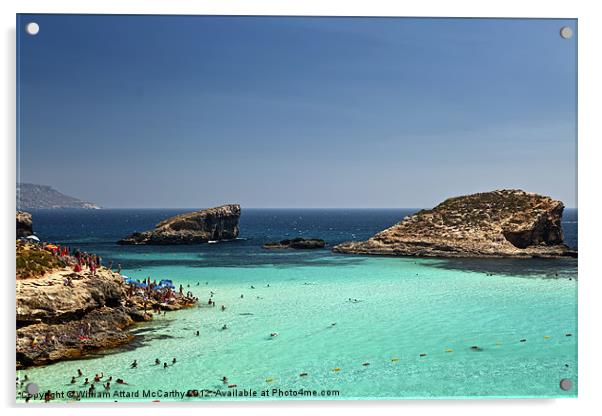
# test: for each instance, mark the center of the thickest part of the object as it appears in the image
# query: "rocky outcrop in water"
(24, 224)
(214, 224)
(296, 243)
(503, 223)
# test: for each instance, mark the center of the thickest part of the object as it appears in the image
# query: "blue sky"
(196, 111)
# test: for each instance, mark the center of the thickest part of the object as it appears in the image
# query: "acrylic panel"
(283, 208)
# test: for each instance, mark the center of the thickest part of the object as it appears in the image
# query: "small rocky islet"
(213, 224)
(298, 243)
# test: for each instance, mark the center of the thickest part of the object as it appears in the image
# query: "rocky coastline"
(502, 223)
(198, 227)
(63, 314)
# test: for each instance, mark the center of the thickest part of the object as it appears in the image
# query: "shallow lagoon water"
(405, 307)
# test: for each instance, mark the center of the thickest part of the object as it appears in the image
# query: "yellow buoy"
(395, 359)
(336, 369)
(449, 350)
(269, 380)
(498, 343)
(546, 337)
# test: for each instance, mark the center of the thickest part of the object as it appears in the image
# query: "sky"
(197, 111)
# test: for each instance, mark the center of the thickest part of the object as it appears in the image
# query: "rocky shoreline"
(66, 315)
(502, 223)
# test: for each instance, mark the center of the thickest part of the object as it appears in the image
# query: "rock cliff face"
(24, 224)
(503, 223)
(56, 322)
(214, 224)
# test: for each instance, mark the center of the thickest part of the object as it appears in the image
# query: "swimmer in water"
(72, 380)
(224, 327)
(86, 381)
(274, 334)
(79, 372)
(134, 364)
(174, 360)
(197, 333)
(164, 365)
(252, 287)
(224, 379)
(223, 308)
(157, 361)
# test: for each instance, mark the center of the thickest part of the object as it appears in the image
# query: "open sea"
(387, 313)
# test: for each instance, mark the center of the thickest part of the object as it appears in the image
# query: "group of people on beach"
(77, 259)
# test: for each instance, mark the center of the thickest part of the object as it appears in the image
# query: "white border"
(589, 202)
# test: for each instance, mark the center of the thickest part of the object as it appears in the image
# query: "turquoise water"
(405, 307)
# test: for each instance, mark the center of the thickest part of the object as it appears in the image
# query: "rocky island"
(296, 243)
(501, 223)
(213, 224)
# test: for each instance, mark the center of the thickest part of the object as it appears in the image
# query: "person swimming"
(134, 364)
(79, 372)
(157, 361)
(198, 333)
(164, 365)
(241, 296)
(86, 381)
(224, 327)
(274, 334)
(252, 287)
(73, 380)
(108, 386)
(223, 308)
(121, 381)
(224, 379)
(173, 361)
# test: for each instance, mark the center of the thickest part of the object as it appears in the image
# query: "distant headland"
(501, 223)
(32, 196)
(213, 224)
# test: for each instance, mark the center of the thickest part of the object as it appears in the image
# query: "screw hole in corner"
(32, 28)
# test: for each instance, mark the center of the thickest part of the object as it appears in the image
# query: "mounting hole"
(566, 32)
(566, 384)
(32, 28)
(32, 388)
